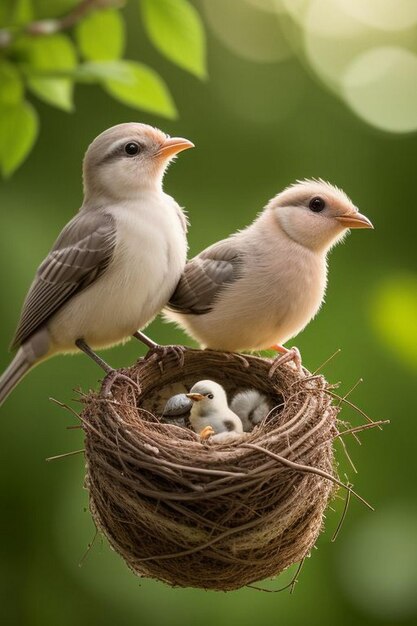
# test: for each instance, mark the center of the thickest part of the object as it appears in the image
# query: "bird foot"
(163, 352)
(111, 378)
(207, 432)
(288, 355)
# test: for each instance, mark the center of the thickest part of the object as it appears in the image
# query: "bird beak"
(172, 146)
(195, 397)
(354, 220)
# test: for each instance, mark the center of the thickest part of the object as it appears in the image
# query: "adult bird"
(262, 285)
(116, 263)
(210, 413)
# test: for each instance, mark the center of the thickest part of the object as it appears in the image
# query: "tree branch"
(41, 28)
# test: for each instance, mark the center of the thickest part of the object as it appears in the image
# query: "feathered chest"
(150, 246)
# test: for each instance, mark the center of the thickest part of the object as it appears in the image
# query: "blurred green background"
(296, 89)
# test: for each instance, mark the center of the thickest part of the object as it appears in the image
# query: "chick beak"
(195, 397)
(354, 220)
(172, 146)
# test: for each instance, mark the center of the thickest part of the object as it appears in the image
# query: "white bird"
(262, 285)
(251, 406)
(210, 413)
(115, 265)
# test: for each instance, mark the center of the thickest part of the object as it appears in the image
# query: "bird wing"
(79, 256)
(205, 277)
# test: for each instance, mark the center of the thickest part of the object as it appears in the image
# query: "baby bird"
(261, 286)
(210, 413)
(251, 406)
(176, 410)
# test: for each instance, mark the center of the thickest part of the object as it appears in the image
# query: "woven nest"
(210, 515)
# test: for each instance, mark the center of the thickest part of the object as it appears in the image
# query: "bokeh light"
(394, 316)
(249, 33)
(380, 86)
(383, 14)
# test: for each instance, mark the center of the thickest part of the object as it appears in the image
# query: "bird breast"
(148, 260)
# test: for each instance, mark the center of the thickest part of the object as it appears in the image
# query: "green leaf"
(175, 28)
(394, 315)
(11, 91)
(18, 131)
(93, 71)
(101, 35)
(45, 55)
(142, 88)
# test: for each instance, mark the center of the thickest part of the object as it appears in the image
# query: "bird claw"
(163, 351)
(207, 432)
(289, 355)
(111, 378)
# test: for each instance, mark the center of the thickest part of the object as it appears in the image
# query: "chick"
(251, 406)
(210, 413)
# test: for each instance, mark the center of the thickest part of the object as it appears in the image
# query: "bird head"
(316, 214)
(128, 159)
(207, 397)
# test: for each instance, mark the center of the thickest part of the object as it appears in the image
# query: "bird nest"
(211, 515)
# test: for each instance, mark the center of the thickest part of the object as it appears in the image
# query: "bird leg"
(111, 374)
(207, 432)
(292, 354)
(161, 351)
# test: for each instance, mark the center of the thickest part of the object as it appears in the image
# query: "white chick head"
(127, 159)
(316, 214)
(207, 397)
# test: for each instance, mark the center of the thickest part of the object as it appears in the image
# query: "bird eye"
(210, 396)
(316, 204)
(132, 148)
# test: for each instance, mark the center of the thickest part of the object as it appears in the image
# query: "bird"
(251, 406)
(210, 413)
(177, 410)
(177, 406)
(262, 285)
(115, 264)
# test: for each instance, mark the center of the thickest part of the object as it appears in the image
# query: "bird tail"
(14, 374)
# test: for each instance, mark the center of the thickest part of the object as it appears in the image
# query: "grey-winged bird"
(116, 263)
(251, 406)
(176, 410)
(262, 285)
(210, 413)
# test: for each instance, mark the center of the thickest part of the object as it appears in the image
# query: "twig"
(291, 585)
(327, 361)
(342, 519)
(360, 380)
(89, 546)
(41, 28)
(353, 406)
(308, 469)
(62, 456)
(358, 429)
(345, 450)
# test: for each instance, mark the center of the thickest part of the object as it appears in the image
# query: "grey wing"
(79, 256)
(205, 277)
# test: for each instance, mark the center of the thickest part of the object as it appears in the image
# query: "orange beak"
(195, 397)
(172, 146)
(354, 220)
